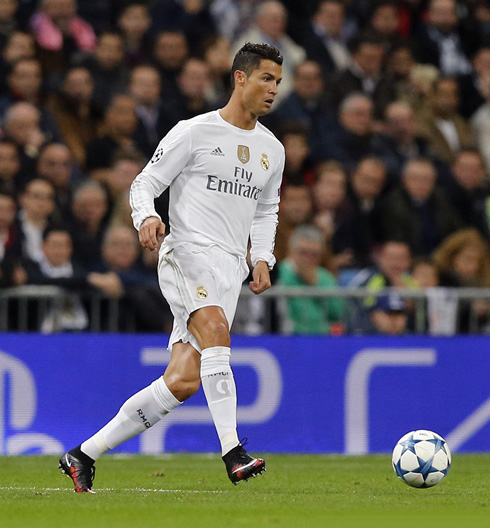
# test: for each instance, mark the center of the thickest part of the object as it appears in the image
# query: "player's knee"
(183, 387)
(188, 388)
(216, 333)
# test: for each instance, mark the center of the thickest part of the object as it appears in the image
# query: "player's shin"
(219, 387)
(138, 413)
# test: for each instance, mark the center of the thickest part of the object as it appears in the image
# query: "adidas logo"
(217, 152)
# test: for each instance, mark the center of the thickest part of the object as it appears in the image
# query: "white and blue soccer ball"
(421, 459)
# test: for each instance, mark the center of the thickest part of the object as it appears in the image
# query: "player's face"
(260, 88)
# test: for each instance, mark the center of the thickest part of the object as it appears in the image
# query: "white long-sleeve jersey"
(224, 186)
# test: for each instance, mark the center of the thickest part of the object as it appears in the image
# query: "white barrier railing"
(23, 308)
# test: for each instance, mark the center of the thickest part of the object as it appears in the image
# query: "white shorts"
(192, 277)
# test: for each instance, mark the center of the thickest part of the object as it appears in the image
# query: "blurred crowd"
(384, 112)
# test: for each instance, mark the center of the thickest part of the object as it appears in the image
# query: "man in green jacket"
(303, 315)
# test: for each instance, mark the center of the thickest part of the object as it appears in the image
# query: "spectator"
(120, 122)
(193, 18)
(134, 22)
(10, 248)
(422, 80)
(35, 214)
(481, 18)
(322, 37)
(295, 209)
(400, 141)
(77, 115)
(9, 166)
(365, 75)
(294, 137)
(392, 269)
(57, 268)
(18, 46)
(480, 121)
(307, 104)
(194, 82)
(270, 27)
(107, 67)
(90, 212)
(302, 268)
(389, 315)
(121, 212)
(170, 54)
(153, 120)
(60, 33)
(441, 43)
(472, 86)
(384, 22)
(21, 125)
(468, 190)
(463, 260)
(354, 140)
(399, 65)
(425, 272)
(359, 231)
(445, 130)
(142, 297)
(329, 192)
(55, 165)
(417, 212)
(24, 84)
(217, 56)
(8, 23)
(439, 307)
(233, 17)
(124, 169)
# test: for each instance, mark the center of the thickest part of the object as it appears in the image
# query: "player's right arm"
(151, 232)
(169, 160)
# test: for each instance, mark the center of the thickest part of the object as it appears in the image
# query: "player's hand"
(261, 278)
(151, 233)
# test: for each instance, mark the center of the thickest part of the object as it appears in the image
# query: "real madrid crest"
(264, 162)
(201, 292)
(243, 153)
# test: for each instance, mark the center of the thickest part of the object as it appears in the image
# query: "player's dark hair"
(249, 57)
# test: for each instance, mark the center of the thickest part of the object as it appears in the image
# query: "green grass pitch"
(192, 491)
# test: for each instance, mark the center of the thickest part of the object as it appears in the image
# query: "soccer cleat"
(241, 466)
(82, 474)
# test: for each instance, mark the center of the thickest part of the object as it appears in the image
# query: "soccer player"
(224, 170)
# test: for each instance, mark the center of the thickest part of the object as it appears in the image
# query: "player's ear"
(240, 78)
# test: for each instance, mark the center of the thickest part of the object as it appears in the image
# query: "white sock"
(139, 413)
(219, 387)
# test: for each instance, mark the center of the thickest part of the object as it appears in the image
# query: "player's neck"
(236, 115)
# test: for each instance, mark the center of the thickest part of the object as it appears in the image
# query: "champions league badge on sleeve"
(157, 156)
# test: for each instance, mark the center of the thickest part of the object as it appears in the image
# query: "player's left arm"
(263, 231)
(261, 278)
